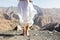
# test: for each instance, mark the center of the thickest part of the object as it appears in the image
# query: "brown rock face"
(46, 16)
(42, 18)
(6, 24)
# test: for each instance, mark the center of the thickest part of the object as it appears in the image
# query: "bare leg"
(26, 30)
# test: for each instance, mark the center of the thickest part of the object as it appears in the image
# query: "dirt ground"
(34, 35)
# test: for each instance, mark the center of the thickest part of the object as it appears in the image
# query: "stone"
(35, 27)
(19, 28)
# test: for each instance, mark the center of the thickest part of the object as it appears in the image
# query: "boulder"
(35, 27)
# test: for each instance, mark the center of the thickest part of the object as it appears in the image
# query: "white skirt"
(26, 13)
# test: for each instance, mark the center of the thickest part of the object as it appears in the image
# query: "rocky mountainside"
(43, 17)
(6, 23)
(47, 15)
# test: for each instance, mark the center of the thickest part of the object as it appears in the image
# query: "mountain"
(43, 17)
(46, 16)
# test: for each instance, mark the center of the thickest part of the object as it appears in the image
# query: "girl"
(26, 15)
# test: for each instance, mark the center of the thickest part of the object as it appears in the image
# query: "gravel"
(34, 35)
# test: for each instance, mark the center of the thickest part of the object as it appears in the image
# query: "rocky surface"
(43, 19)
(34, 35)
(44, 15)
(7, 24)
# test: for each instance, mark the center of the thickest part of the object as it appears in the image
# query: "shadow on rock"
(15, 16)
(50, 26)
(37, 18)
(6, 17)
(58, 28)
(6, 35)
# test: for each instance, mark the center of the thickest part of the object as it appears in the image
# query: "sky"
(40, 3)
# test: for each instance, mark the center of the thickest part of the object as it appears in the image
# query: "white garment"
(27, 12)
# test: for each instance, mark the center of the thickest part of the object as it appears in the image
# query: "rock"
(42, 18)
(50, 32)
(6, 24)
(35, 34)
(35, 27)
(58, 28)
(18, 28)
(50, 26)
(55, 31)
